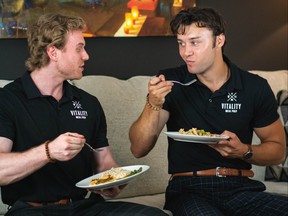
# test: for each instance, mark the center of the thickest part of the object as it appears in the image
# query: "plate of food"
(113, 177)
(196, 136)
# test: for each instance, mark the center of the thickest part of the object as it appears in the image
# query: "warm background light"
(128, 20)
(135, 12)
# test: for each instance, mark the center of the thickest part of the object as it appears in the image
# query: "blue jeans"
(239, 196)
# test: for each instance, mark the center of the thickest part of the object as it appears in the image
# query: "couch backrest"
(123, 101)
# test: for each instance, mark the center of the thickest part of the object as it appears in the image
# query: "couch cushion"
(123, 101)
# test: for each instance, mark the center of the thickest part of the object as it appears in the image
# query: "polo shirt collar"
(32, 91)
(69, 91)
(235, 81)
(29, 86)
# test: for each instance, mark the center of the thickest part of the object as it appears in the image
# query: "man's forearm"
(144, 132)
(16, 166)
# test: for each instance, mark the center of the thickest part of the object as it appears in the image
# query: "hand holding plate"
(230, 148)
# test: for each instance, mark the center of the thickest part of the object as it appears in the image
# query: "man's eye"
(195, 43)
(181, 44)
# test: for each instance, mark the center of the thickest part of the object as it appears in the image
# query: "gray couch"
(123, 101)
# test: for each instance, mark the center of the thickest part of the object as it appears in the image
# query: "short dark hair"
(202, 17)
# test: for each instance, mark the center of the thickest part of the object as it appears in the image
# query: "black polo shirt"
(244, 102)
(29, 119)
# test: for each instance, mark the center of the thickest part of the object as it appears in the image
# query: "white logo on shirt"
(231, 107)
(78, 113)
(232, 96)
(77, 105)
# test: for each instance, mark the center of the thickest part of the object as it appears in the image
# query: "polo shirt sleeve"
(6, 117)
(265, 107)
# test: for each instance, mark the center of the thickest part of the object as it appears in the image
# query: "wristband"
(156, 108)
(48, 153)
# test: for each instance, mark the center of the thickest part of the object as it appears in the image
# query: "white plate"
(85, 182)
(196, 139)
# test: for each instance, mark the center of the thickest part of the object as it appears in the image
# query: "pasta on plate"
(114, 174)
(197, 132)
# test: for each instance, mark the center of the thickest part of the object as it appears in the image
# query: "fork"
(91, 148)
(184, 84)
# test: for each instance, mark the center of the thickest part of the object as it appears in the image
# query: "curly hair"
(49, 30)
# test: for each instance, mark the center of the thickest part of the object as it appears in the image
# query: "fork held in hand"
(91, 148)
(184, 84)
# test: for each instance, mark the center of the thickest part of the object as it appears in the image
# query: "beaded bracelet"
(48, 153)
(151, 106)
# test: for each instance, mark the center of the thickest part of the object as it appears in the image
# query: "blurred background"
(256, 38)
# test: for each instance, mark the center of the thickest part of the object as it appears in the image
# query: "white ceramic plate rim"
(85, 182)
(195, 139)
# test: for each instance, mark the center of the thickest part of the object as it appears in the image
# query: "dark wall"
(256, 31)
(119, 57)
(256, 39)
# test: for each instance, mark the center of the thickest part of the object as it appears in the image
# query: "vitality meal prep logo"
(78, 113)
(231, 107)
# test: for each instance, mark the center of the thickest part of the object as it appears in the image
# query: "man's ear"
(220, 40)
(52, 53)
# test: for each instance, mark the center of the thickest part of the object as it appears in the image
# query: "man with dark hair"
(212, 178)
